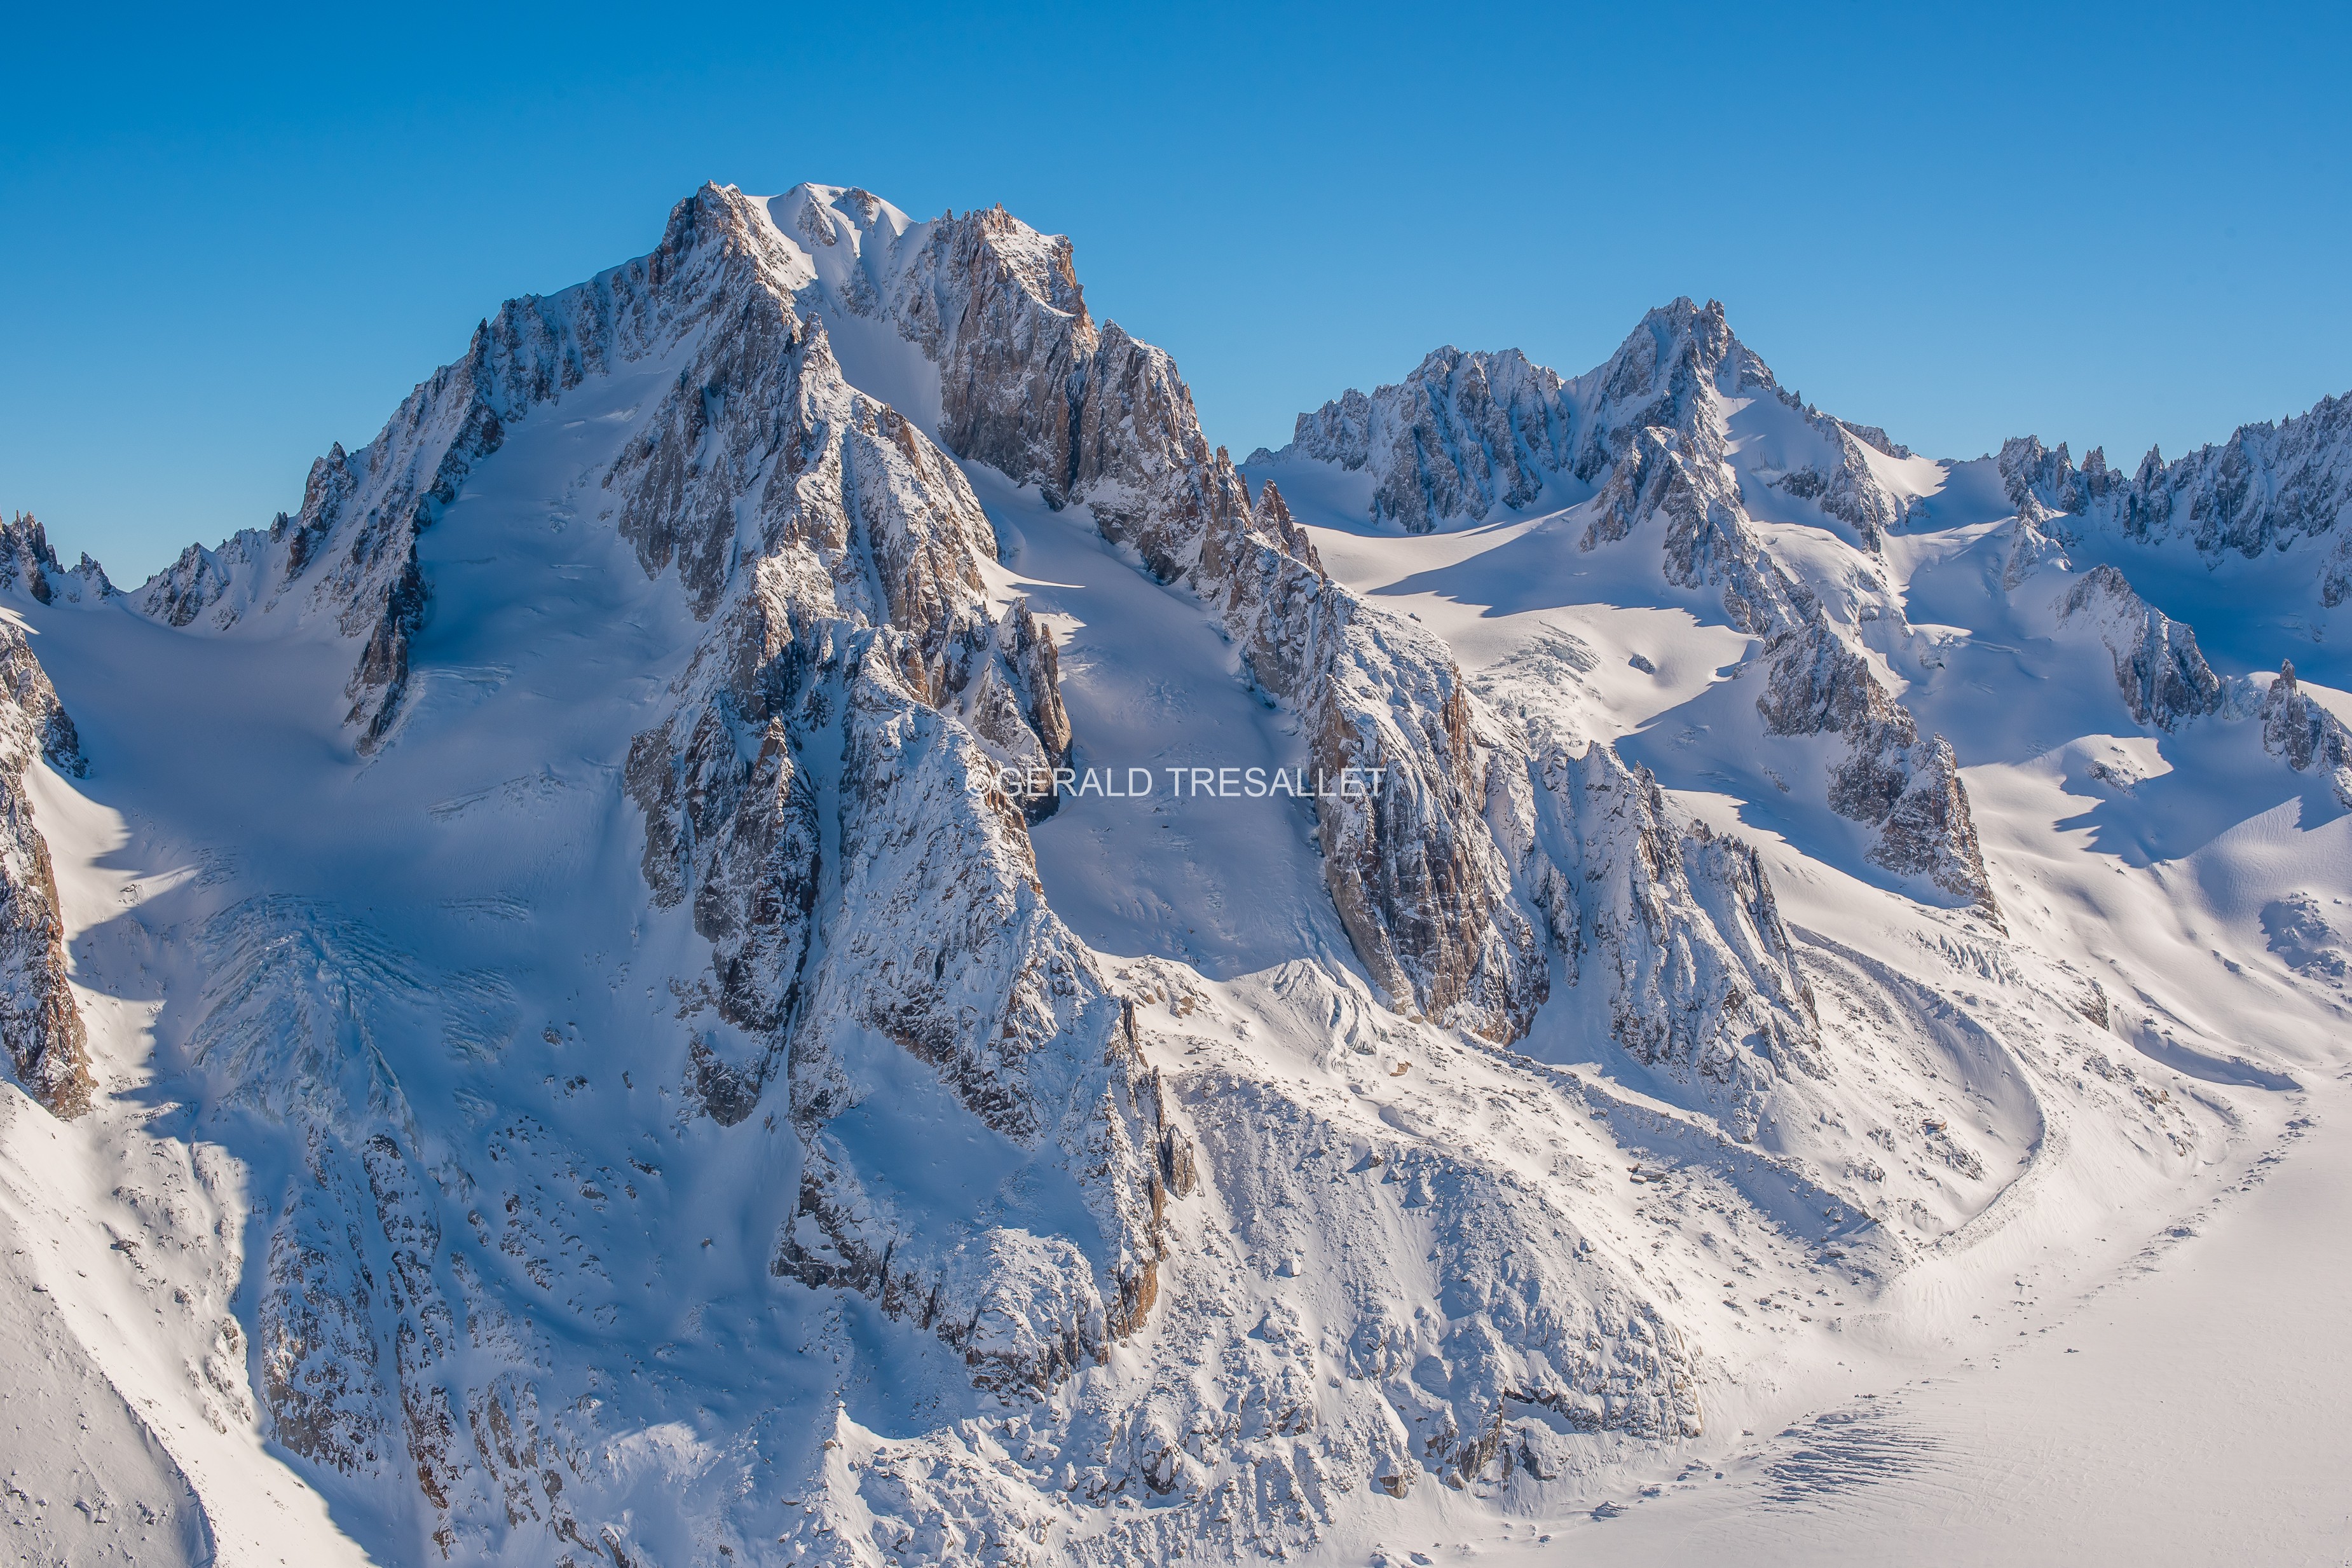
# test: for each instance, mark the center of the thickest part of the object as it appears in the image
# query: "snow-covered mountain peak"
(345, 566)
(849, 238)
(1465, 434)
(581, 987)
(28, 565)
(827, 215)
(1677, 349)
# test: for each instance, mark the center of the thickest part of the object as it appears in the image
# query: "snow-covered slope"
(563, 1016)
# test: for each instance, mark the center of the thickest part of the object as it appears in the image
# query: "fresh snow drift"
(550, 1025)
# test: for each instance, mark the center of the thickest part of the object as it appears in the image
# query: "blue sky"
(227, 241)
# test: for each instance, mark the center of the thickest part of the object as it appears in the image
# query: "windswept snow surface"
(2143, 1418)
(2016, 1248)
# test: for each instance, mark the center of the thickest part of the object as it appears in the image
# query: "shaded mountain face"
(616, 971)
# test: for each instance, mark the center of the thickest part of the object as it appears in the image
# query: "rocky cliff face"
(39, 1022)
(1699, 974)
(1414, 868)
(2305, 734)
(1417, 873)
(2162, 676)
(349, 556)
(1891, 778)
(852, 687)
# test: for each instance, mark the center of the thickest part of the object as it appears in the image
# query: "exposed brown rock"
(39, 1020)
(1908, 789)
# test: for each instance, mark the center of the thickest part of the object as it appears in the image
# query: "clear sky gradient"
(228, 239)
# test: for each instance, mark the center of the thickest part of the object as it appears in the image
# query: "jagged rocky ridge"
(1468, 431)
(1650, 429)
(2266, 488)
(1461, 435)
(2271, 486)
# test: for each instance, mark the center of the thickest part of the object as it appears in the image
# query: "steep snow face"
(594, 1050)
(1229, 887)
